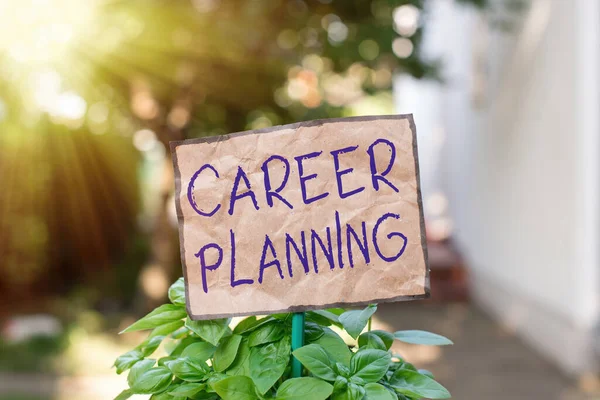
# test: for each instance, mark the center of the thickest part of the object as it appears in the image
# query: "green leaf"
(426, 373)
(266, 334)
(188, 369)
(124, 395)
(138, 369)
(226, 352)
(369, 364)
(127, 360)
(369, 340)
(340, 384)
(249, 324)
(154, 380)
(245, 325)
(312, 331)
(148, 346)
(352, 392)
(161, 361)
(214, 378)
(199, 351)
(342, 370)
(183, 343)
(358, 380)
(386, 337)
(205, 396)
(375, 391)
(187, 389)
(354, 321)
(268, 363)
(333, 318)
(166, 329)
(304, 388)
(334, 345)
(317, 361)
(181, 332)
(177, 292)
(236, 388)
(241, 364)
(211, 330)
(414, 384)
(422, 337)
(164, 314)
(406, 365)
(166, 396)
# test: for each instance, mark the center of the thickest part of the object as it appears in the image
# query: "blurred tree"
(91, 92)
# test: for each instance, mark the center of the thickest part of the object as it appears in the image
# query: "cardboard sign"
(298, 217)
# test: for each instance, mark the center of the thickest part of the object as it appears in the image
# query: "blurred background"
(506, 98)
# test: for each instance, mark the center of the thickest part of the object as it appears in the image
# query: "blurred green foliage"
(37, 354)
(92, 91)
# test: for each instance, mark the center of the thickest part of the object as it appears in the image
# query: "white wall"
(522, 170)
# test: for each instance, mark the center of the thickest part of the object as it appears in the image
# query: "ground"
(486, 362)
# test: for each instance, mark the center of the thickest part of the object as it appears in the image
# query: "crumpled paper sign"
(298, 217)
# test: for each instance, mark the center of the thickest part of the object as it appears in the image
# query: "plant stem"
(297, 341)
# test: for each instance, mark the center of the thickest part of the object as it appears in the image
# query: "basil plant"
(210, 360)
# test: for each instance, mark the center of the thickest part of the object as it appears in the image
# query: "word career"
(275, 190)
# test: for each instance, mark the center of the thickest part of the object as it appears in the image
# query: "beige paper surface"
(254, 242)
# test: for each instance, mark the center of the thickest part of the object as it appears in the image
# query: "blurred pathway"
(46, 387)
(486, 362)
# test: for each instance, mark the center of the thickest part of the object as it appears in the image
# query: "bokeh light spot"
(337, 32)
(144, 140)
(69, 106)
(98, 113)
(313, 62)
(179, 117)
(2, 110)
(328, 19)
(368, 49)
(406, 20)
(144, 105)
(287, 39)
(205, 6)
(402, 47)
(35, 32)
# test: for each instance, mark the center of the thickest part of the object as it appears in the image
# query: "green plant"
(210, 360)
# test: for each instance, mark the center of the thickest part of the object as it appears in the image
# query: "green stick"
(297, 341)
